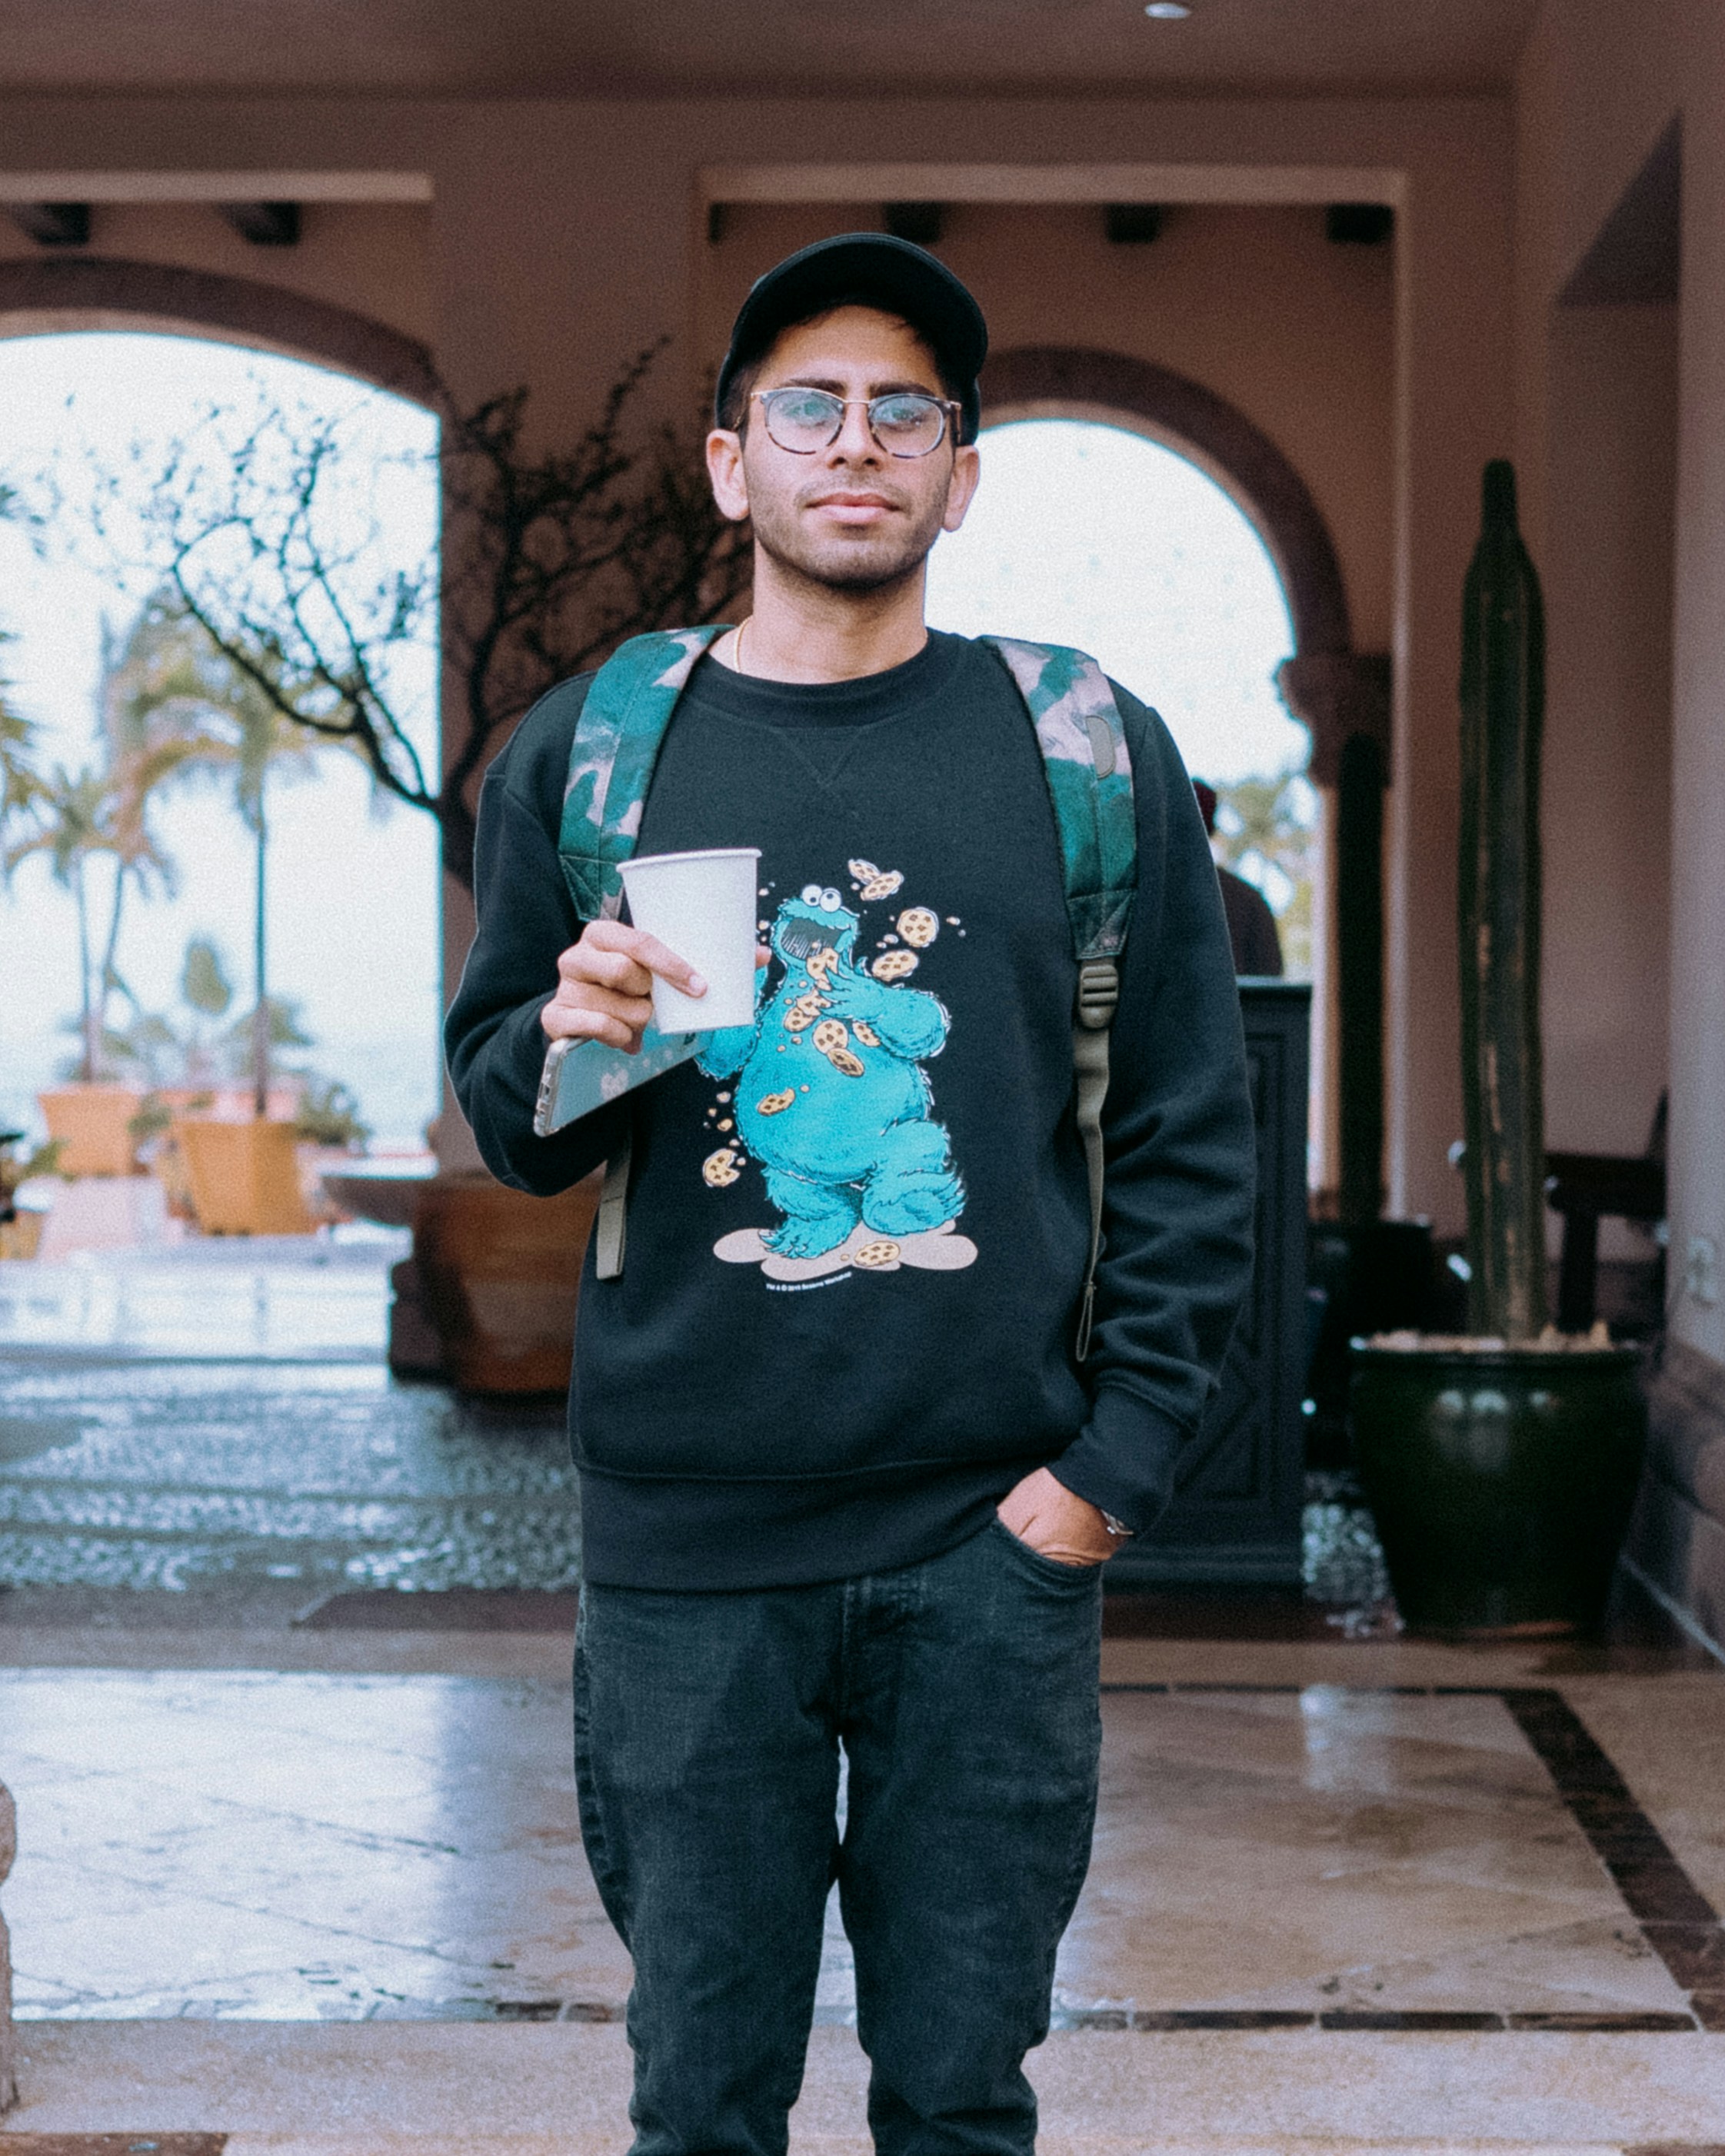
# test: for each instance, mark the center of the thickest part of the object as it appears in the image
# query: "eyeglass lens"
(904, 423)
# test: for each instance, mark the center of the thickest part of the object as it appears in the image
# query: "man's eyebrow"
(836, 388)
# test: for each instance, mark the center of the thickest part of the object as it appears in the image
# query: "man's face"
(850, 517)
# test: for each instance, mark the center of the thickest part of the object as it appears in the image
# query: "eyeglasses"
(905, 422)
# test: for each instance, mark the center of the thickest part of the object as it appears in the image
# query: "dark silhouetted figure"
(1252, 925)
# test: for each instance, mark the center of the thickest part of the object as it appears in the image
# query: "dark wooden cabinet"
(1235, 1516)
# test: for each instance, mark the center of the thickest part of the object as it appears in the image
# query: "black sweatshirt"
(857, 1238)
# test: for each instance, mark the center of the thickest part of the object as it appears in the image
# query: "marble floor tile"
(1322, 1850)
(325, 1845)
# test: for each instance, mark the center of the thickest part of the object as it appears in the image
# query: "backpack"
(1085, 760)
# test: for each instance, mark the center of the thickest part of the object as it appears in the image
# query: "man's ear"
(962, 486)
(724, 469)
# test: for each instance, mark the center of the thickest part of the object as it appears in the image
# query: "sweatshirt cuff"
(1123, 1461)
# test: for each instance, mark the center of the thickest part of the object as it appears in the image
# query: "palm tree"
(77, 817)
(174, 703)
(20, 782)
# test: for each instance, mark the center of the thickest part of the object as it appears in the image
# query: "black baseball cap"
(867, 269)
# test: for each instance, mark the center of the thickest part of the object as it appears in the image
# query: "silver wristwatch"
(1117, 1528)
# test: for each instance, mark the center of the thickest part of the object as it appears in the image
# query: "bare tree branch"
(551, 559)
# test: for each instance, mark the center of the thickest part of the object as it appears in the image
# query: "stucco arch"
(1340, 695)
(1049, 381)
(1333, 690)
(39, 296)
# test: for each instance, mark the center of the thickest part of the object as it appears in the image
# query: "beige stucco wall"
(1610, 481)
(563, 236)
(372, 257)
(1599, 88)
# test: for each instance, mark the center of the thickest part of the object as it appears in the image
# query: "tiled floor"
(342, 1846)
(1334, 1849)
(1351, 1894)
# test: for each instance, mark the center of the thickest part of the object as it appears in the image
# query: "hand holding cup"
(605, 985)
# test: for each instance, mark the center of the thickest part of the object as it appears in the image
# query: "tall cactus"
(1360, 955)
(1502, 716)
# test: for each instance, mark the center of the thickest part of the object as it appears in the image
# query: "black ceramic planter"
(1501, 1482)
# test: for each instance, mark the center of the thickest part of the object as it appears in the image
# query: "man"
(845, 1484)
(1251, 926)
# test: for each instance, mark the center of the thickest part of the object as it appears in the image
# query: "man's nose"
(855, 442)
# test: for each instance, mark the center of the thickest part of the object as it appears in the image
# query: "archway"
(149, 351)
(94, 294)
(1342, 697)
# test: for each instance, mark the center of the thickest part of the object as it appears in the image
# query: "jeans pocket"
(1050, 1569)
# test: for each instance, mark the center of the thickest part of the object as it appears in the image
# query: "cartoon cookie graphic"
(864, 1148)
(881, 1252)
(796, 1018)
(720, 1169)
(880, 886)
(919, 927)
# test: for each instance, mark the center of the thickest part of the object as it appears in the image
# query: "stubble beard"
(864, 563)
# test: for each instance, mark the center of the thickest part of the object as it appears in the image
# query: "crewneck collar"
(871, 697)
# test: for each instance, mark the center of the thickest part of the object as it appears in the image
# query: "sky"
(1084, 534)
(1080, 534)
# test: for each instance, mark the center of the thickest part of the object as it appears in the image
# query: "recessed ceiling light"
(1167, 11)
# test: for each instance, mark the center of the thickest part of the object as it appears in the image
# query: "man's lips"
(849, 508)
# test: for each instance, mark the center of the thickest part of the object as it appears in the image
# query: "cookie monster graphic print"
(832, 1101)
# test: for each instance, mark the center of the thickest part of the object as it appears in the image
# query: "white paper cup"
(703, 906)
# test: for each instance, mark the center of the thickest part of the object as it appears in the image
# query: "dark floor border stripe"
(1147, 2021)
(1677, 1919)
(114, 2144)
(1292, 1691)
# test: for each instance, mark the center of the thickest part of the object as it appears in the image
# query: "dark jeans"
(707, 1730)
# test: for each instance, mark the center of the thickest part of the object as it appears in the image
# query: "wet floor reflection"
(303, 1846)
(181, 1476)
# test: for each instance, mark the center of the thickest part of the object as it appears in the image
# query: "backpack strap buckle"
(1098, 998)
(1098, 993)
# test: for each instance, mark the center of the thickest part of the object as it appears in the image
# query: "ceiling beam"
(1064, 182)
(144, 185)
(264, 223)
(53, 223)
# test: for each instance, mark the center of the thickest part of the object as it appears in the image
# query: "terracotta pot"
(93, 1120)
(244, 1177)
(1502, 1481)
(21, 1236)
(499, 1277)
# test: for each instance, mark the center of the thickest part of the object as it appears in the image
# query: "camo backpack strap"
(616, 745)
(1090, 782)
(611, 761)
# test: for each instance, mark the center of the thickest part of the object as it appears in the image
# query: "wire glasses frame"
(904, 423)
